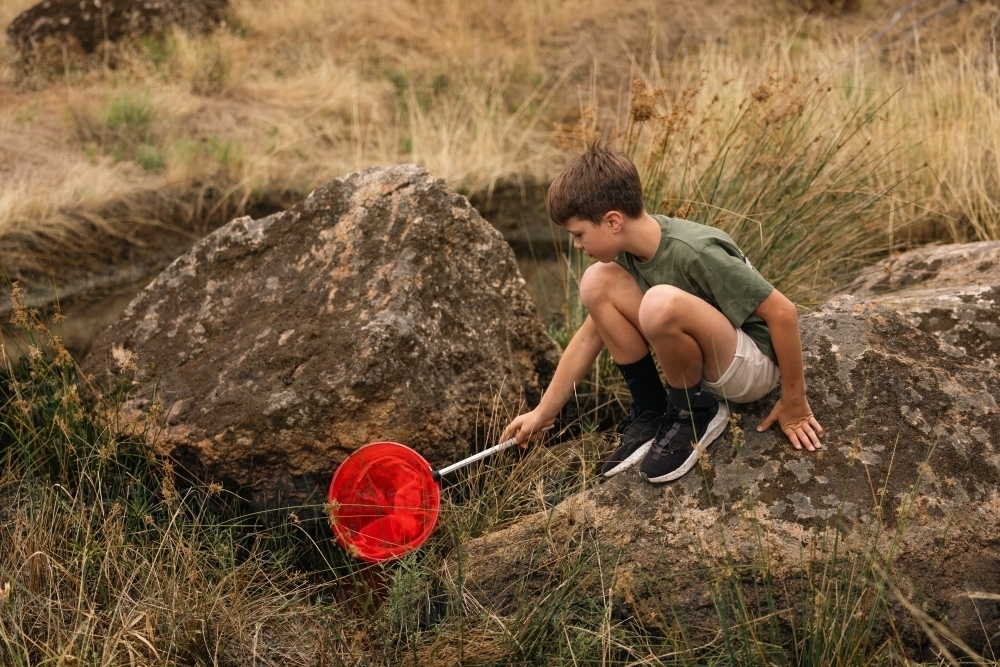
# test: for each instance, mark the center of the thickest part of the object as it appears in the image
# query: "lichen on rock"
(908, 480)
(383, 307)
(950, 291)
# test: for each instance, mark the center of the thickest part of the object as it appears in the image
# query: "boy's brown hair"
(598, 180)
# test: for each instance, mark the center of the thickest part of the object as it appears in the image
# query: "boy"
(720, 331)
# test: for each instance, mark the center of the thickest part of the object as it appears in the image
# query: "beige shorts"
(751, 375)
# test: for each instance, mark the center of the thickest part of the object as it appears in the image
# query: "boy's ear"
(615, 220)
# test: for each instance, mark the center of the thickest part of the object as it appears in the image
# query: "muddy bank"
(87, 273)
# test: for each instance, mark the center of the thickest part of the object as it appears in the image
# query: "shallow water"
(91, 310)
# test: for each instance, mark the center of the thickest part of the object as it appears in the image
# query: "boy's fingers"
(809, 439)
(816, 426)
(525, 435)
(806, 439)
(768, 421)
(538, 432)
(794, 439)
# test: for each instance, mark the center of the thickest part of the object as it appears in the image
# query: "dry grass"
(817, 169)
(291, 94)
(86, 585)
(187, 132)
(106, 560)
(260, 111)
(951, 122)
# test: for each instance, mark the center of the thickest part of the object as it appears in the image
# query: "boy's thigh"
(751, 375)
(665, 307)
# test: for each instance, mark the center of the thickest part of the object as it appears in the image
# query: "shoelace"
(634, 416)
(624, 425)
(665, 443)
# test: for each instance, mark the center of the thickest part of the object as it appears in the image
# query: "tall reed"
(803, 192)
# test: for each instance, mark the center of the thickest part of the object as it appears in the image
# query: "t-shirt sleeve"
(727, 278)
(627, 262)
(622, 260)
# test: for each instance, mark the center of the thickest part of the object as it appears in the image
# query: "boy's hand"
(796, 421)
(792, 410)
(527, 427)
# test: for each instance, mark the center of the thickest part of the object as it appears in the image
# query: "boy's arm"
(576, 360)
(792, 410)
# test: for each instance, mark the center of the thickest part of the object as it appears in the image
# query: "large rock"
(950, 291)
(54, 31)
(909, 474)
(383, 307)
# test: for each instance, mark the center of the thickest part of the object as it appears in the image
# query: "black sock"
(692, 398)
(644, 384)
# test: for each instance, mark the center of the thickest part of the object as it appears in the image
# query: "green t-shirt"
(706, 262)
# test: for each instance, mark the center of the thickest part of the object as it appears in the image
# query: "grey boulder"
(950, 291)
(383, 307)
(908, 483)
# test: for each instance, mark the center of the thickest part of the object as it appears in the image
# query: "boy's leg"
(612, 298)
(691, 338)
(693, 341)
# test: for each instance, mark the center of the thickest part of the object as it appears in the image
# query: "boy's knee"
(598, 281)
(660, 309)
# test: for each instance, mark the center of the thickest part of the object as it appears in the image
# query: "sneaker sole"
(714, 429)
(632, 460)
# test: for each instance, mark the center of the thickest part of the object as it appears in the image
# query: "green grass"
(130, 112)
(149, 157)
(806, 194)
(125, 130)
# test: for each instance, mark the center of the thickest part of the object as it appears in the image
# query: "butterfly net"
(383, 501)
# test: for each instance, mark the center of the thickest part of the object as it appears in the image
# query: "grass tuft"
(787, 168)
(106, 557)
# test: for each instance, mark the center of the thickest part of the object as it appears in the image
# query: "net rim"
(344, 534)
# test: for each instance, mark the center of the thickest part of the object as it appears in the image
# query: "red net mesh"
(383, 501)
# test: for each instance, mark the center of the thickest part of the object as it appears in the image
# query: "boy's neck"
(641, 237)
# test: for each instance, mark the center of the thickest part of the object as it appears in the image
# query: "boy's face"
(601, 241)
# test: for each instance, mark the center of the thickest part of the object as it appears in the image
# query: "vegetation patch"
(306, 99)
(113, 555)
